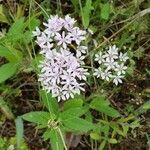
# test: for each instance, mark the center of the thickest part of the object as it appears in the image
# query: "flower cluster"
(61, 33)
(111, 65)
(62, 46)
(60, 73)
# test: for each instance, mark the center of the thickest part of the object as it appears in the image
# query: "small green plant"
(58, 121)
(16, 54)
(113, 126)
(10, 144)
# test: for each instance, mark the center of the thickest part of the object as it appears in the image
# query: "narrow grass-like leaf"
(86, 12)
(19, 131)
(102, 145)
(75, 4)
(3, 17)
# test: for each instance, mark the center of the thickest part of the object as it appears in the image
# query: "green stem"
(81, 12)
(62, 138)
(41, 8)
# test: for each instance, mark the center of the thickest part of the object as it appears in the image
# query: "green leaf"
(17, 27)
(75, 4)
(86, 12)
(105, 10)
(142, 109)
(39, 117)
(73, 103)
(146, 106)
(102, 105)
(55, 140)
(125, 130)
(117, 128)
(10, 54)
(3, 17)
(33, 23)
(19, 131)
(89, 116)
(15, 33)
(105, 129)
(71, 113)
(135, 124)
(78, 124)
(95, 135)
(7, 71)
(49, 102)
(113, 141)
(27, 37)
(2, 143)
(139, 52)
(102, 145)
(46, 134)
(125, 38)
